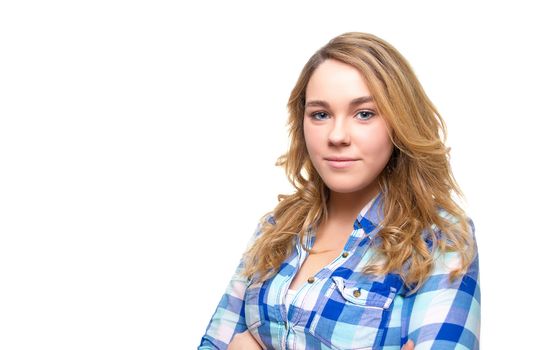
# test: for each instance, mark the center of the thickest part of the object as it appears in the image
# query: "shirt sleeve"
(228, 318)
(444, 314)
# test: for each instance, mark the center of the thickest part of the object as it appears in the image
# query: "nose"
(339, 134)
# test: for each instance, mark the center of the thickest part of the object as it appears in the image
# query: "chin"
(339, 188)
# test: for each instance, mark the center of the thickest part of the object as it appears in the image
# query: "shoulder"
(448, 249)
(266, 219)
(463, 228)
(455, 220)
(461, 243)
(269, 217)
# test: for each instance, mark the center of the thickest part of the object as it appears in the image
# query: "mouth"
(340, 163)
(340, 159)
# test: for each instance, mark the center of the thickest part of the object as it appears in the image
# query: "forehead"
(335, 80)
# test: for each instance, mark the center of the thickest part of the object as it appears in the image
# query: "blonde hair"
(416, 184)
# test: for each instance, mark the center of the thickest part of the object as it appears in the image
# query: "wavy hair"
(417, 182)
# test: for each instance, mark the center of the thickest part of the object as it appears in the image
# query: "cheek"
(385, 148)
(311, 138)
(386, 144)
(377, 145)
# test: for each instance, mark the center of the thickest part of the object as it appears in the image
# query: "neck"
(344, 207)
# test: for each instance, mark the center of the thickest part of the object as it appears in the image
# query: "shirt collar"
(366, 223)
(371, 214)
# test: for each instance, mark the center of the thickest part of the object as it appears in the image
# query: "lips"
(340, 159)
(340, 162)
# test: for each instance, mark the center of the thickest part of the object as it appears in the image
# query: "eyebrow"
(354, 102)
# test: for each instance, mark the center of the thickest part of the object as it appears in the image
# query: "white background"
(138, 141)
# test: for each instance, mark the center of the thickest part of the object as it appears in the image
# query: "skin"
(245, 341)
(339, 128)
(356, 131)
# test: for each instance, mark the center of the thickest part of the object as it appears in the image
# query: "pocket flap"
(367, 294)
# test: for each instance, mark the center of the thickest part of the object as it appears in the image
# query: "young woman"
(371, 251)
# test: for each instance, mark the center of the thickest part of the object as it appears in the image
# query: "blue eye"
(366, 115)
(371, 114)
(313, 115)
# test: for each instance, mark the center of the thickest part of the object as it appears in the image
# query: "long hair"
(417, 182)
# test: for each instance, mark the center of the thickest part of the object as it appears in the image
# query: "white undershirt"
(289, 297)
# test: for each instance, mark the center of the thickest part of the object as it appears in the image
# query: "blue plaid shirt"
(341, 308)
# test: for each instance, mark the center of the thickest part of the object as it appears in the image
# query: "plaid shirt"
(341, 308)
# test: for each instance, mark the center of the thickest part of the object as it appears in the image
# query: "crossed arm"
(245, 341)
(442, 314)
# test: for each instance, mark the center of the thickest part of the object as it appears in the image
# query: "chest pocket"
(352, 314)
(252, 307)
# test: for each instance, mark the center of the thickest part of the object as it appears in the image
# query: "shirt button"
(357, 293)
(311, 279)
(345, 254)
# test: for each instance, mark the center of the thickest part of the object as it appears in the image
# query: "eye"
(316, 114)
(366, 114)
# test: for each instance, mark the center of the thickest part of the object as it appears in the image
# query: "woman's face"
(341, 120)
